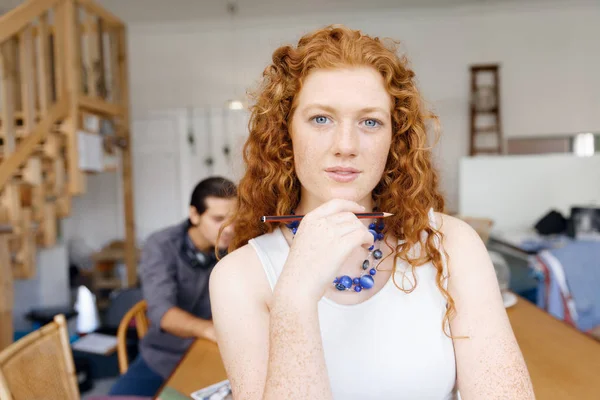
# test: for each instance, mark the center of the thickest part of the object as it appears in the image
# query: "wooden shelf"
(485, 101)
(488, 151)
(108, 283)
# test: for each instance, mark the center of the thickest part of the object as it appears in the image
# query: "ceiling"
(214, 9)
(140, 11)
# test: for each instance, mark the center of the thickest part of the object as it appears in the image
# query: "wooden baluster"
(76, 178)
(38, 202)
(6, 289)
(26, 69)
(126, 169)
(63, 201)
(102, 89)
(24, 267)
(32, 173)
(49, 227)
(44, 79)
(113, 38)
(11, 202)
(10, 194)
(59, 53)
(7, 95)
(60, 178)
(91, 54)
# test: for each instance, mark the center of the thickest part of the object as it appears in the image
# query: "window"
(583, 144)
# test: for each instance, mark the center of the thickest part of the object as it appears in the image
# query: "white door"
(156, 169)
(211, 145)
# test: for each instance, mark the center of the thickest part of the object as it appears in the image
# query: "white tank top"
(391, 346)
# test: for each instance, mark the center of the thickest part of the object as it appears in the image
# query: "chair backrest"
(121, 301)
(39, 365)
(137, 313)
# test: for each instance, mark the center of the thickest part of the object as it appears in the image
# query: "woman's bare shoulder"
(460, 241)
(454, 228)
(241, 262)
(239, 270)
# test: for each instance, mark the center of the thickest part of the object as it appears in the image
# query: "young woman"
(337, 307)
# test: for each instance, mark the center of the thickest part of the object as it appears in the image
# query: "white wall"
(550, 57)
(166, 167)
(97, 215)
(517, 191)
(48, 288)
(549, 54)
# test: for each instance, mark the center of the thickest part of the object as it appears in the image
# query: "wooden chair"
(137, 313)
(40, 365)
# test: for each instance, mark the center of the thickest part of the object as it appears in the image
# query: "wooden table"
(199, 368)
(563, 363)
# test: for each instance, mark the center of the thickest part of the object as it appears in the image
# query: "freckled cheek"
(379, 156)
(306, 158)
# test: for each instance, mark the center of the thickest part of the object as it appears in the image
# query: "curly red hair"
(409, 185)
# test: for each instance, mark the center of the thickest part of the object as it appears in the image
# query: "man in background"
(175, 266)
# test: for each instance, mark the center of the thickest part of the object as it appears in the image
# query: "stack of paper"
(218, 391)
(97, 343)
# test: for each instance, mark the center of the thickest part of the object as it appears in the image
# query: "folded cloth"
(580, 262)
(569, 280)
(553, 293)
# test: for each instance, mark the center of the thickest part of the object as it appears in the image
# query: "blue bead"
(365, 264)
(381, 226)
(372, 225)
(294, 230)
(373, 233)
(336, 280)
(293, 224)
(372, 247)
(373, 271)
(357, 289)
(367, 281)
(377, 254)
(356, 281)
(346, 281)
(380, 236)
(340, 287)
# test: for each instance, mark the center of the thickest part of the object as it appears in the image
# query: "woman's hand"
(324, 240)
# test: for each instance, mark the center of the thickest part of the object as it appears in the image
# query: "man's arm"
(159, 285)
(183, 324)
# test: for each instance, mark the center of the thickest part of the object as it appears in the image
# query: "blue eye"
(372, 123)
(320, 119)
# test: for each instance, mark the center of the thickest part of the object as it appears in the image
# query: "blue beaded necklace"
(366, 279)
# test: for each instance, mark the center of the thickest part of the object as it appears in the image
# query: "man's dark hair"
(211, 187)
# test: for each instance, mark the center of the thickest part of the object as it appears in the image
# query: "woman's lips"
(342, 175)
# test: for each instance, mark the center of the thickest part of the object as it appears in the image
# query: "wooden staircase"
(63, 102)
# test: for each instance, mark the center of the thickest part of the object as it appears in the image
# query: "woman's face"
(341, 134)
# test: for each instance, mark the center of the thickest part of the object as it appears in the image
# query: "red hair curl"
(409, 185)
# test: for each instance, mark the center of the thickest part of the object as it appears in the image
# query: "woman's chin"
(347, 194)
